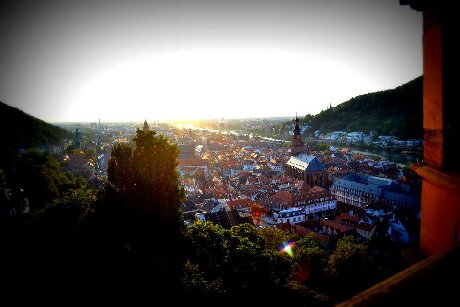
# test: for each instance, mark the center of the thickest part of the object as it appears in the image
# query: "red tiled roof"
(346, 217)
(192, 162)
(302, 231)
(366, 227)
(286, 197)
(291, 198)
(339, 227)
(243, 203)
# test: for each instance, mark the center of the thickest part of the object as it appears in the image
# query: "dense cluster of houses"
(329, 193)
(357, 137)
(231, 180)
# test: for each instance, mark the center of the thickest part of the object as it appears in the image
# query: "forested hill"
(396, 112)
(21, 130)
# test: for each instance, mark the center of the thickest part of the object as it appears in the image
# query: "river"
(399, 158)
(250, 135)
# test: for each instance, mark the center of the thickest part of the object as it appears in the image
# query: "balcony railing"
(430, 282)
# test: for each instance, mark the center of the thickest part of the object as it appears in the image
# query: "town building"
(360, 190)
(301, 165)
(299, 206)
(226, 219)
(307, 168)
(314, 200)
(366, 231)
(291, 215)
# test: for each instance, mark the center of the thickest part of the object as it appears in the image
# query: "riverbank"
(399, 158)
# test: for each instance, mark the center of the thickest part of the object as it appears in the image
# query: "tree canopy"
(235, 264)
(39, 174)
(145, 178)
(396, 112)
(21, 130)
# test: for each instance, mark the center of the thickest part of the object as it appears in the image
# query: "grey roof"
(226, 219)
(186, 151)
(306, 163)
(207, 205)
(188, 206)
(361, 187)
(386, 189)
(379, 181)
(401, 198)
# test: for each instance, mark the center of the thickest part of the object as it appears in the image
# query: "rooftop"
(306, 163)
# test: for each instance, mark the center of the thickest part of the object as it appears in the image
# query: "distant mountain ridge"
(21, 130)
(397, 112)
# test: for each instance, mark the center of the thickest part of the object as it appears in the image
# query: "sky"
(71, 61)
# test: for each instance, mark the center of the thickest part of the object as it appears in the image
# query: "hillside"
(396, 112)
(21, 130)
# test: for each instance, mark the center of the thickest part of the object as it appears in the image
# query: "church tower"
(146, 126)
(297, 144)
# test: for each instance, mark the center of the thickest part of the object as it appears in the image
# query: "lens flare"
(287, 247)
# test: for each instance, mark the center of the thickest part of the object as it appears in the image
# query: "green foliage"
(309, 241)
(350, 265)
(198, 287)
(146, 180)
(209, 242)
(140, 205)
(39, 174)
(396, 112)
(273, 237)
(311, 258)
(308, 119)
(68, 212)
(248, 231)
(238, 257)
(28, 131)
(320, 147)
(79, 201)
(137, 220)
(348, 258)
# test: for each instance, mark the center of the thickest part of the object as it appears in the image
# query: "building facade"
(359, 191)
(291, 215)
(299, 207)
(303, 166)
(307, 168)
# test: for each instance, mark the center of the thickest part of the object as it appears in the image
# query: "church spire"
(146, 126)
(296, 128)
(297, 144)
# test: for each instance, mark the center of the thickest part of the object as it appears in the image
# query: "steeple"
(296, 128)
(146, 126)
(297, 144)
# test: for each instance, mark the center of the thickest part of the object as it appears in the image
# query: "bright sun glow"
(215, 83)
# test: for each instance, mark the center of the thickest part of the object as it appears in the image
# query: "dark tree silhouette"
(146, 180)
(141, 201)
(397, 112)
(28, 131)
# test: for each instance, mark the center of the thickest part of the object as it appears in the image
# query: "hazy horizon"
(178, 120)
(124, 61)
